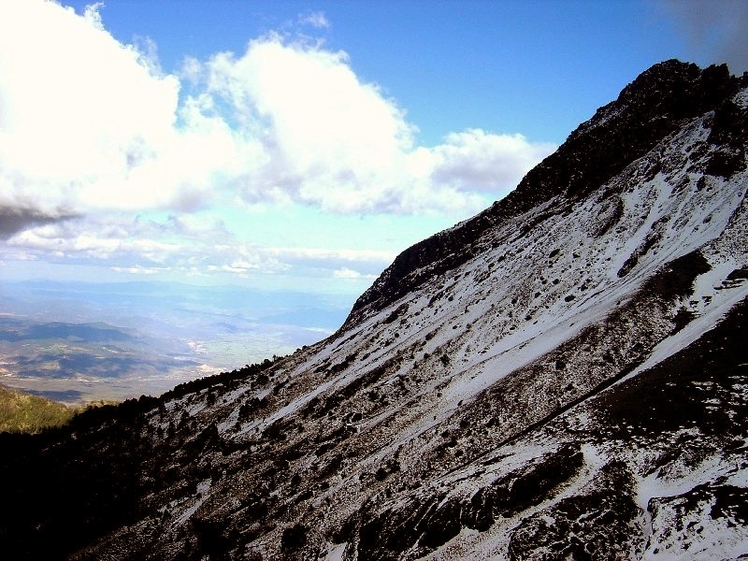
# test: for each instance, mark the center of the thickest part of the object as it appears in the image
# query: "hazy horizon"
(77, 342)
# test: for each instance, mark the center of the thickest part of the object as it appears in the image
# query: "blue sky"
(297, 145)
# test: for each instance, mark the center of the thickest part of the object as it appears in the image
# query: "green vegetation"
(22, 412)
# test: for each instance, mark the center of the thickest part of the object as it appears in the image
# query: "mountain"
(563, 376)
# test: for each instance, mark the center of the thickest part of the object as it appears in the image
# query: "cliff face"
(562, 376)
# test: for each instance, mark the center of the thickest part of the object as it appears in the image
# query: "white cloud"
(318, 20)
(137, 270)
(474, 160)
(78, 109)
(350, 274)
(180, 245)
(97, 132)
(98, 126)
(340, 144)
(329, 139)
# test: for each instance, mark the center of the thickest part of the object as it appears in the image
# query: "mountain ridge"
(661, 90)
(561, 376)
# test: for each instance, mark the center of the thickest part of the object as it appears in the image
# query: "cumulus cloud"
(79, 111)
(96, 128)
(716, 28)
(474, 160)
(328, 139)
(97, 125)
(333, 141)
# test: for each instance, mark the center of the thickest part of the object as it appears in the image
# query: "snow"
(684, 219)
(741, 98)
(196, 408)
(202, 494)
(335, 553)
(738, 479)
(668, 535)
(710, 316)
(645, 205)
(492, 544)
(697, 535)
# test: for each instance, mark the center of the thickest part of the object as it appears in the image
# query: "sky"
(298, 145)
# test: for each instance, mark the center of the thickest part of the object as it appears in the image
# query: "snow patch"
(335, 553)
(202, 493)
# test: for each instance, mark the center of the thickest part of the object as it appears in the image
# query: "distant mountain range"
(14, 330)
(157, 334)
(563, 376)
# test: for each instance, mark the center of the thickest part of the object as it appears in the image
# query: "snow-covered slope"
(563, 376)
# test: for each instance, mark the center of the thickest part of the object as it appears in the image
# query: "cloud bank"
(91, 127)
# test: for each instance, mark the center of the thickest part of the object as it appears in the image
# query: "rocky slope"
(563, 376)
